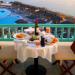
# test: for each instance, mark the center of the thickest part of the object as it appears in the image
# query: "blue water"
(9, 20)
(6, 17)
(8, 0)
(4, 13)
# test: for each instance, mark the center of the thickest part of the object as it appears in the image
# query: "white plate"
(20, 38)
(30, 29)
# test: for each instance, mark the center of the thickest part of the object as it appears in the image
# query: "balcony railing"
(65, 32)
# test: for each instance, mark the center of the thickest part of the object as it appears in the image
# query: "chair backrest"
(73, 47)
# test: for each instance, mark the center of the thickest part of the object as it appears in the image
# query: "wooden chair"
(7, 52)
(64, 55)
(6, 66)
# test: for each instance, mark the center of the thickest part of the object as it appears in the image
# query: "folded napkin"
(30, 29)
(31, 45)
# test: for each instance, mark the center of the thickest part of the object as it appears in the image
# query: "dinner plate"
(30, 30)
(20, 38)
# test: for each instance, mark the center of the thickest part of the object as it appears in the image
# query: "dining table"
(31, 49)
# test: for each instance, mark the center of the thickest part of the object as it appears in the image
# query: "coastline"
(34, 9)
(42, 9)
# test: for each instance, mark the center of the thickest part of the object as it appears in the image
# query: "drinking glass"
(47, 30)
(37, 43)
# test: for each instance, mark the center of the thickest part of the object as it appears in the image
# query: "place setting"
(38, 36)
(40, 40)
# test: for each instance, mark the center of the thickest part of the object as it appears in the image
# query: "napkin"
(30, 29)
(48, 38)
(31, 45)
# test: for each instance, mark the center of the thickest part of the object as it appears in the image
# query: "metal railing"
(65, 32)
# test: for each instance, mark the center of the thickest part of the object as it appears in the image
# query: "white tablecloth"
(24, 52)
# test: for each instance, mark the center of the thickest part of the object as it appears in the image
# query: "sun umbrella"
(21, 21)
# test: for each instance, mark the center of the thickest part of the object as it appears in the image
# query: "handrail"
(65, 32)
(40, 25)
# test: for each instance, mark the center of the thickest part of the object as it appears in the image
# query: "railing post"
(9, 33)
(3, 32)
(69, 34)
(62, 31)
(55, 32)
(21, 29)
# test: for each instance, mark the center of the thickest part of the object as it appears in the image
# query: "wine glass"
(37, 43)
(47, 30)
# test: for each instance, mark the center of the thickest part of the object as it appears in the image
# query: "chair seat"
(64, 54)
(7, 50)
(64, 51)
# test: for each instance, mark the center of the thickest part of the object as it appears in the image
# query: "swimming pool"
(7, 17)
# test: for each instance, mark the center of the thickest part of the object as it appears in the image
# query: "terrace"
(64, 32)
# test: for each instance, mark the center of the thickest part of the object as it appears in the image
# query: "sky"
(63, 6)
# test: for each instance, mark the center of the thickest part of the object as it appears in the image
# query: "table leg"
(35, 69)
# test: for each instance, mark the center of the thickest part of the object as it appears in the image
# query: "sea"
(63, 6)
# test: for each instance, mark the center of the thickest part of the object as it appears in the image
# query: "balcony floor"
(19, 69)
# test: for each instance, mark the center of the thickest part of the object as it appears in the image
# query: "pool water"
(4, 13)
(7, 17)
